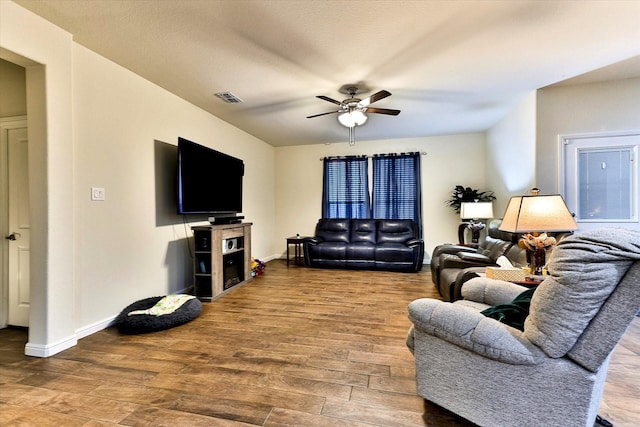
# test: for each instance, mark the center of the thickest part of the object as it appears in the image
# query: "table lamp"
(474, 211)
(535, 216)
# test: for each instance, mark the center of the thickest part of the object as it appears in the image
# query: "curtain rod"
(366, 156)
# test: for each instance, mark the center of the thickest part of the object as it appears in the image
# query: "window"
(600, 178)
(396, 187)
(345, 191)
(605, 184)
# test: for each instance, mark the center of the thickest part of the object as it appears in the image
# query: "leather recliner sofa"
(373, 244)
(452, 265)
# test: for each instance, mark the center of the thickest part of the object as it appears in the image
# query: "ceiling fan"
(352, 110)
(356, 107)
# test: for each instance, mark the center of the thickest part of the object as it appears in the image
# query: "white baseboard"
(39, 350)
(95, 327)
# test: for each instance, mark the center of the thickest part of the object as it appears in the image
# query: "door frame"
(47, 54)
(6, 123)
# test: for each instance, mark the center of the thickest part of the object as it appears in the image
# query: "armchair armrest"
(469, 329)
(490, 291)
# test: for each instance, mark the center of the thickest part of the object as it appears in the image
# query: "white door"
(18, 225)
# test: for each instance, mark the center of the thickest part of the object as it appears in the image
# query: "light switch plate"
(97, 193)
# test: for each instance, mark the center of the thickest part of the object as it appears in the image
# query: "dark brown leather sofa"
(374, 244)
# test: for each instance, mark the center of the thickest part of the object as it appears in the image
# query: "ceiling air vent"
(229, 98)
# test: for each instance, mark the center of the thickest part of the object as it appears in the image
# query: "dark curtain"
(345, 190)
(396, 187)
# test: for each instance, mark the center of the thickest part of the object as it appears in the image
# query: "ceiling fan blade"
(322, 114)
(383, 111)
(326, 98)
(375, 97)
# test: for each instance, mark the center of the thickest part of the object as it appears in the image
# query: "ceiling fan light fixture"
(352, 118)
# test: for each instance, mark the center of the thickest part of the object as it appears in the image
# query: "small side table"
(529, 282)
(298, 258)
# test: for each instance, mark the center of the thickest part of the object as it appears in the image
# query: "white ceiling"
(452, 66)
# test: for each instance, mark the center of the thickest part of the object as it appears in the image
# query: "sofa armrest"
(414, 242)
(450, 249)
(454, 261)
(464, 276)
(491, 291)
(468, 328)
(475, 258)
(312, 240)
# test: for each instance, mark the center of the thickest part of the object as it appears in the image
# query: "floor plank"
(293, 347)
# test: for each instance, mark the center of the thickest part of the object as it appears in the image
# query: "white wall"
(523, 148)
(594, 107)
(132, 245)
(92, 123)
(450, 160)
(511, 154)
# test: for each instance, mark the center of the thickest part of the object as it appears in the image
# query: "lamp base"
(461, 228)
(537, 259)
(475, 228)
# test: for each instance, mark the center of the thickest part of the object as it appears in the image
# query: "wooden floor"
(293, 347)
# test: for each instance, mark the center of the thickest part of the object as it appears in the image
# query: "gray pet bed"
(143, 323)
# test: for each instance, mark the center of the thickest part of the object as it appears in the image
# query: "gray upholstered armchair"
(553, 371)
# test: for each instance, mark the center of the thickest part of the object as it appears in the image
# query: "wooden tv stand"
(222, 258)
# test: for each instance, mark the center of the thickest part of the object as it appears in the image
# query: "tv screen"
(209, 182)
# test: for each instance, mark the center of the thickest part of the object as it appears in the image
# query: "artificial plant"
(461, 194)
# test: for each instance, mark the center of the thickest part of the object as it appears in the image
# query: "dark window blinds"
(346, 188)
(396, 187)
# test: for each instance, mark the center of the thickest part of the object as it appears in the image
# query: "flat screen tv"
(209, 182)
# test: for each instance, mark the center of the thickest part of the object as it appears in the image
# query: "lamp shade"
(476, 210)
(528, 214)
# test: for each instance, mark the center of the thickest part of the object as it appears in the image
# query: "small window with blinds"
(346, 188)
(600, 175)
